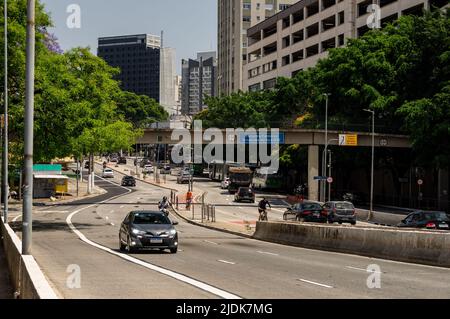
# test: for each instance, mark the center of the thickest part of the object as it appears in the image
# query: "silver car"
(184, 177)
(108, 173)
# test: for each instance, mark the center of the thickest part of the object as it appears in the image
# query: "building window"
(341, 17)
(341, 40)
(255, 87)
(312, 30)
(328, 44)
(296, 72)
(298, 36)
(269, 84)
(287, 22)
(286, 60)
(247, 6)
(328, 23)
(362, 7)
(286, 41)
(328, 3)
(312, 9)
(298, 16)
(297, 56)
(312, 50)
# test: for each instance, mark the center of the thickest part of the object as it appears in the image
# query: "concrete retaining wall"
(431, 248)
(27, 278)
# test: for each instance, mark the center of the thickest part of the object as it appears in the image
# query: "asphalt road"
(209, 264)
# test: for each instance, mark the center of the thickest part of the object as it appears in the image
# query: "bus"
(218, 170)
(239, 177)
(267, 179)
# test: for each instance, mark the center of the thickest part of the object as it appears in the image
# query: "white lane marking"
(111, 212)
(226, 262)
(210, 242)
(122, 206)
(362, 269)
(112, 224)
(267, 253)
(315, 283)
(52, 211)
(193, 282)
(106, 217)
(16, 218)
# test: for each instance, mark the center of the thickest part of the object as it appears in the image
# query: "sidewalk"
(6, 289)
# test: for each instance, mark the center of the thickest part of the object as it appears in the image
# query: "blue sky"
(190, 26)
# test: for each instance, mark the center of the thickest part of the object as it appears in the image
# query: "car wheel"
(353, 223)
(122, 247)
(128, 247)
(300, 219)
(173, 250)
(284, 216)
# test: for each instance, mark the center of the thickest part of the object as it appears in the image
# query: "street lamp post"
(29, 136)
(5, 136)
(373, 164)
(324, 155)
(324, 158)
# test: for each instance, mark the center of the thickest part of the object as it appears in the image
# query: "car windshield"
(344, 206)
(244, 191)
(435, 216)
(311, 206)
(150, 219)
(108, 171)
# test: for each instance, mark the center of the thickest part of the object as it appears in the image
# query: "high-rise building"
(234, 18)
(168, 77)
(178, 92)
(198, 80)
(298, 37)
(138, 57)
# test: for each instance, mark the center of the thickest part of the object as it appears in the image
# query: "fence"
(207, 211)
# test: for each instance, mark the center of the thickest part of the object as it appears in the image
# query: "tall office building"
(138, 57)
(234, 18)
(168, 78)
(198, 80)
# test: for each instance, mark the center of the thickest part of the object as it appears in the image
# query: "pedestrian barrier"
(423, 247)
(27, 278)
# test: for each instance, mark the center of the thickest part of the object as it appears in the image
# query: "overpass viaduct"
(308, 137)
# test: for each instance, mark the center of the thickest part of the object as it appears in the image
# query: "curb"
(211, 227)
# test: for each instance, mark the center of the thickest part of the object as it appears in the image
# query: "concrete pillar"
(313, 170)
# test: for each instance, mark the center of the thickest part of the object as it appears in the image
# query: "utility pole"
(329, 174)
(324, 158)
(27, 217)
(5, 136)
(373, 164)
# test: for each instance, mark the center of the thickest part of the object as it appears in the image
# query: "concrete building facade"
(234, 18)
(168, 81)
(296, 38)
(198, 80)
(138, 57)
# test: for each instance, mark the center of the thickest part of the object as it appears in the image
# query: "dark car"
(148, 230)
(340, 212)
(244, 194)
(426, 219)
(306, 212)
(128, 181)
(122, 160)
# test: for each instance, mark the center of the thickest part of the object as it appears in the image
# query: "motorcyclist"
(262, 208)
(164, 205)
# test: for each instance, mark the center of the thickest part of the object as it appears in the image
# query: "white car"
(108, 173)
(148, 169)
(225, 183)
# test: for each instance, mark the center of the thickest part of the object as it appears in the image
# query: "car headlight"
(137, 231)
(172, 232)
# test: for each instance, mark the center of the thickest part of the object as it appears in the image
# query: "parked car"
(244, 194)
(148, 230)
(114, 160)
(306, 212)
(427, 219)
(122, 160)
(340, 212)
(166, 170)
(108, 173)
(225, 183)
(148, 169)
(137, 161)
(128, 181)
(184, 177)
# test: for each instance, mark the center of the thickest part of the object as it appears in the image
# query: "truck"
(239, 177)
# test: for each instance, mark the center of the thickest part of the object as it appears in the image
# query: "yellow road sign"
(348, 140)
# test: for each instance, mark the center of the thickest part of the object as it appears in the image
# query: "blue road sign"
(320, 178)
(262, 138)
